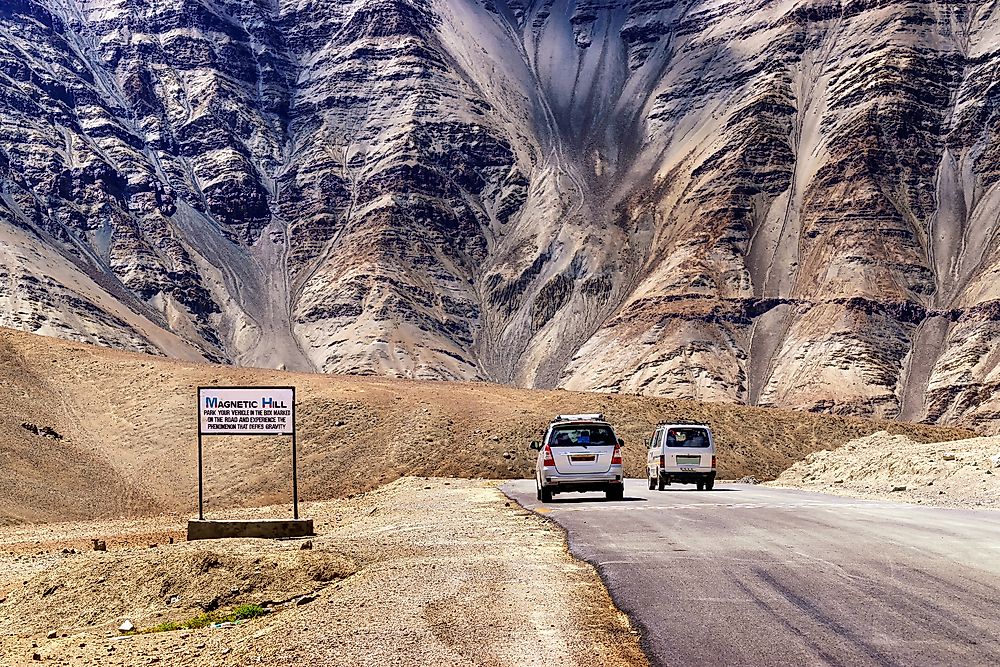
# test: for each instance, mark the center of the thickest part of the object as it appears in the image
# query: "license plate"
(582, 459)
(688, 460)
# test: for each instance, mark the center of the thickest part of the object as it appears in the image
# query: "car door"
(583, 448)
(653, 453)
(687, 448)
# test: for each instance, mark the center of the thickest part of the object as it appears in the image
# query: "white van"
(683, 453)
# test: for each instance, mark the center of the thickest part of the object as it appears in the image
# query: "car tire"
(538, 490)
(651, 479)
(615, 492)
(661, 481)
(701, 486)
(709, 483)
(546, 494)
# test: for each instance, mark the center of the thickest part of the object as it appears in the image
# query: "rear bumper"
(588, 482)
(687, 476)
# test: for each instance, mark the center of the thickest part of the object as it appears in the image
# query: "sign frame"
(202, 434)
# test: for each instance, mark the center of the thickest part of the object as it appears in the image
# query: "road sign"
(241, 411)
(246, 411)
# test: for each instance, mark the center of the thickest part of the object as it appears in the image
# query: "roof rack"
(681, 422)
(591, 417)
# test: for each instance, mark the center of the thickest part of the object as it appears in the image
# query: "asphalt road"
(749, 575)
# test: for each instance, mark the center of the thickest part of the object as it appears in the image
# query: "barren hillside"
(127, 423)
(784, 203)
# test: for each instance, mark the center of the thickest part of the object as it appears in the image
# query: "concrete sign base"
(265, 528)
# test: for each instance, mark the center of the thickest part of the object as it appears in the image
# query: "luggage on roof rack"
(594, 416)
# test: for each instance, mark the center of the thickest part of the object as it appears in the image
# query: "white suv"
(682, 453)
(579, 453)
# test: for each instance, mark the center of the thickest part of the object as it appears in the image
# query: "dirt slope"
(963, 473)
(128, 430)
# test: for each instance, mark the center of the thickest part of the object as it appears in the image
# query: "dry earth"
(128, 430)
(963, 473)
(422, 571)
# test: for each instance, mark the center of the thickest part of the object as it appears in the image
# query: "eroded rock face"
(787, 204)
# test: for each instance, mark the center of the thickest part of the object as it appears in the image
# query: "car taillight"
(713, 460)
(616, 458)
(663, 461)
(549, 462)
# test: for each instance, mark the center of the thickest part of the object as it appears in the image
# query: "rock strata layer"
(776, 203)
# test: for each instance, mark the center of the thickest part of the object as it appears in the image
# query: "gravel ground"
(960, 473)
(422, 571)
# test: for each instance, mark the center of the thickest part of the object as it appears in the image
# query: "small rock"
(508, 455)
(940, 493)
(36, 656)
(898, 488)
(127, 626)
(100, 545)
(995, 460)
(308, 544)
(305, 599)
(949, 456)
(52, 635)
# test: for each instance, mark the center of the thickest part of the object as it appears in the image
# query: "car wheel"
(546, 494)
(709, 483)
(615, 492)
(661, 480)
(651, 478)
(701, 486)
(538, 490)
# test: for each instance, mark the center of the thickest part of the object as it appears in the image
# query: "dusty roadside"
(959, 473)
(442, 572)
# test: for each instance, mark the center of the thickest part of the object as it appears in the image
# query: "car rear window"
(687, 437)
(581, 434)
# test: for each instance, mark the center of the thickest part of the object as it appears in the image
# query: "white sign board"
(246, 410)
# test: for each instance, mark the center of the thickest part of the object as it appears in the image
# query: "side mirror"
(534, 445)
(621, 443)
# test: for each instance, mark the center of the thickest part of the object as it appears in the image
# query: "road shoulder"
(442, 572)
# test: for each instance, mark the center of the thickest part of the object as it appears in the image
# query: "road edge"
(639, 627)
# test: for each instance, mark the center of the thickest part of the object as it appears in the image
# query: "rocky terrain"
(87, 432)
(421, 572)
(962, 473)
(785, 204)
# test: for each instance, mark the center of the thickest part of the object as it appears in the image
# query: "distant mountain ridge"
(775, 203)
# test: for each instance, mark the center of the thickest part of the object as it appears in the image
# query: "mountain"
(781, 203)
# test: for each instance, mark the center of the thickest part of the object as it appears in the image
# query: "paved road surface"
(748, 575)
